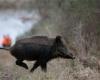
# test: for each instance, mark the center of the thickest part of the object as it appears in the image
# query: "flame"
(6, 41)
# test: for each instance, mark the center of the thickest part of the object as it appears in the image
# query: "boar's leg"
(41, 63)
(44, 66)
(36, 64)
(21, 63)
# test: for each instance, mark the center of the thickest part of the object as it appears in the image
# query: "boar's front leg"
(21, 63)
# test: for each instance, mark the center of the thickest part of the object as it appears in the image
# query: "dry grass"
(15, 4)
(58, 69)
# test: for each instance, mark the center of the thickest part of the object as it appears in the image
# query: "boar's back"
(41, 40)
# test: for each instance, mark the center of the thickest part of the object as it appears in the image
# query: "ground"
(58, 69)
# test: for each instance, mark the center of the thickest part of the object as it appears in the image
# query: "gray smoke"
(16, 23)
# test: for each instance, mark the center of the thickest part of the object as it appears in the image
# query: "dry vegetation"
(78, 21)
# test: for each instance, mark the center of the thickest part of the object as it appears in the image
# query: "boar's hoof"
(36, 64)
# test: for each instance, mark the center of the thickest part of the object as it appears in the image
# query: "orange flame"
(6, 42)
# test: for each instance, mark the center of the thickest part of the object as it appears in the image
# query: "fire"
(6, 41)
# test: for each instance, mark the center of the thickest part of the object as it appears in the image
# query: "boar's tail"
(5, 48)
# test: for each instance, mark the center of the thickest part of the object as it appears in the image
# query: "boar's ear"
(58, 39)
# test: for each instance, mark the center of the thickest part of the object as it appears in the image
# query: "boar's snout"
(70, 55)
(65, 54)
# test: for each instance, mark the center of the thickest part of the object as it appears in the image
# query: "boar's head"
(61, 49)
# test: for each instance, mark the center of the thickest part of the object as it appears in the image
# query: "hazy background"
(78, 21)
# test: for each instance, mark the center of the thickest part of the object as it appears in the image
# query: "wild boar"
(39, 48)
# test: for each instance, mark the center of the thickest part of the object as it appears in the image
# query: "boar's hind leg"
(36, 64)
(21, 63)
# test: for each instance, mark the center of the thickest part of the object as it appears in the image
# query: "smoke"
(16, 23)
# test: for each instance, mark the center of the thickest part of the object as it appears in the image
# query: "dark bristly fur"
(39, 48)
